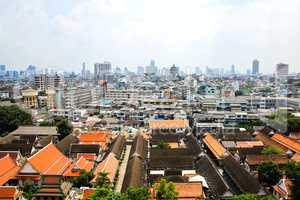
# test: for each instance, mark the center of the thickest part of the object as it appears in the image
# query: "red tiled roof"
(93, 137)
(168, 124)
(110, 165)
(8, 169)
(215, 147)
(87, 156)
(80, 164)
(87, 192)
(50, 161)
(287, 142)
(9, 192)
(186, 191)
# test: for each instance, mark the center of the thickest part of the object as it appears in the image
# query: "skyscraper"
(83, 73)
(2, 71)
(255, 67)
(102, 70)
(140, 70)
(232, 69)
(151, 69)
(282, 69)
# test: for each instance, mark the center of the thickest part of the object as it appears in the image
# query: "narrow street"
(123, 169)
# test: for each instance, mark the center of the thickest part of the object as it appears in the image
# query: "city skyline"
(213, 33)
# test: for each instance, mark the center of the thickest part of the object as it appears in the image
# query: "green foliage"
(83, 180)
(271, 150)
(251, 197)
(165, 190)
(293, 172)
(103, 193)
(269, 173)
(163, 145)
(29, 189)
(132, 193)
(238, 93)
(286, 120)
(64, 127)
(11, 117)
(102, 180)
(249, 124)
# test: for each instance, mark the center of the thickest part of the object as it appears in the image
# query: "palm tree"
(102, 180)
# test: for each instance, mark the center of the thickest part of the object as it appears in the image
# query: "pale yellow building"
(30, 98)
(50, 98)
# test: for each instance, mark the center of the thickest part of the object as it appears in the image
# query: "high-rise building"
(102, 70)
(232, 69)
(30, 71)
(140, 70)
(151, 69)
(2, 71)
(83, 71)
(282, 69)
(255, 67)
(44, 82)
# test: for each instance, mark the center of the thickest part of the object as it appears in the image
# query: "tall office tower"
(102, 70)
(2, 71)
(83, 72)
(198, 71)
(282, 69)
(140, 70)
(255, 67)
(30, 71)
(232, 69)
(151, 69)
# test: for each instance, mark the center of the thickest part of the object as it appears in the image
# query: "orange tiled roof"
(8, 169)
(9, 192)
(109, 165)
(188, 190)
(287, 142)
(87, 156)
(80, 164)
(268, 142)
(168, 124)
(50, 161)
(296, 157)
(87, 192)
(249, 144)
(215, 147)
(94, 137)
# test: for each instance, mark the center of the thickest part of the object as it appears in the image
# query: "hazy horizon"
(214, 33)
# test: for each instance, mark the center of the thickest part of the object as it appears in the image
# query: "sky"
(217, 33)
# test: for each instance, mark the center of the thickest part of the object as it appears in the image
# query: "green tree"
(269, 173)
(136, 193)
(165, 190)
(163, 145)
(83, 179)
(29, 189)
(64, 127)
(11, 117)
(251, 197)
(271, 150)
(103, 193)
(293, 173)
(102, 180)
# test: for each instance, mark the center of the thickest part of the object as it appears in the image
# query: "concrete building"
(282, 69)
(255, 67)
(102, 70)
(44, 82)
(30, 98)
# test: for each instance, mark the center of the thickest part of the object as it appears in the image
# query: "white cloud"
(130, 33)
